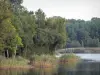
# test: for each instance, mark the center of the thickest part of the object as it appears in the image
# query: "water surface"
(89, 65)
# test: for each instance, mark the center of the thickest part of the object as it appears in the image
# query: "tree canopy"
(23, 32)
(86, 33)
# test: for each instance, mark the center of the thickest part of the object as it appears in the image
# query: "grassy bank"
(35, 61)
(38, 61)
(43, 61)
(69, 60)
(17, 62)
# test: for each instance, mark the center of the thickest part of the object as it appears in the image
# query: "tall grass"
(69, 60)
(13, 62)
(38, 61)
(43, 60)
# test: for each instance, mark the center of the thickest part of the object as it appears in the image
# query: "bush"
(69, 60)
(43, 60)
(68, 56)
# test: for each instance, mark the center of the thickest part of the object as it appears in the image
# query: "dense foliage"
(83, 33)
(9, 38)
(23, 31)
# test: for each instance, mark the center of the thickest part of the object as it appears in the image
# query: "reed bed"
(43, 61)
(13, 62)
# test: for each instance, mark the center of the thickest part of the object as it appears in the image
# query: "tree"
(40, 18)
(57, 30)
(26, 27)
(8, 35)
(86, 32)
(16, 2)
(75, 44)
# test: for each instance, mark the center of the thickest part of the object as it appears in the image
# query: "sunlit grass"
(43, 61)
(37, 61)
(40, 61)
(69, 60)
(13, 62)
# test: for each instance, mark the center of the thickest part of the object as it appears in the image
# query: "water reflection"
(83, 68)
(13, 71)
(38, 71)
(70, 68)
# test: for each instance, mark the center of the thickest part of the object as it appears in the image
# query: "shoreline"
(16, 67)
(23, 67)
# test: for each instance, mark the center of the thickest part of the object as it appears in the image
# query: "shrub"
(68, 60)
(43, 60)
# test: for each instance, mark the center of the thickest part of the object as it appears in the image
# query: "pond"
(89, 65)
(95, 57)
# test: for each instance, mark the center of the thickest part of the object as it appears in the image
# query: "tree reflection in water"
(81, 68)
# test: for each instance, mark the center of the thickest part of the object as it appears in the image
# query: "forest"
(24, 32)
(83, 33)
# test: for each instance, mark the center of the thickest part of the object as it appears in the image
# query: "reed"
(35, 61)
(69, 60)
(13, 62)
(43, 61)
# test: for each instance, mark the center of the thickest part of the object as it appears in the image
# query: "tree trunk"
(7, 53)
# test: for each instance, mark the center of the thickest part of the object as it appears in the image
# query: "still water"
(89, 65)
(95, 57)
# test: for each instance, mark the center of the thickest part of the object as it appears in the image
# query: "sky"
(69, 9)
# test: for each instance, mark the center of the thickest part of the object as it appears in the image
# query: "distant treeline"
(83, 33)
